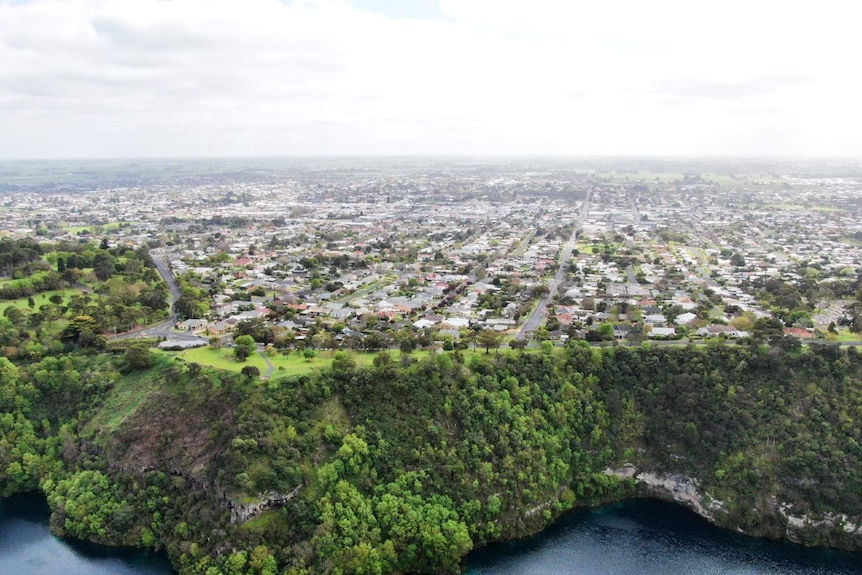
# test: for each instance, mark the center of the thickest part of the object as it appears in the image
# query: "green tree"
(245, 346)
(138, 357)
(343, 363)
(250, 372)
(489, 338)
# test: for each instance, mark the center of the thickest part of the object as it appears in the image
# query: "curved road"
(163, 329)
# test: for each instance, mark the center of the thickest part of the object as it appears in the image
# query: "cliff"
(830, 530)
(406, 468)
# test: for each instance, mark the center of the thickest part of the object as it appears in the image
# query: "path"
(535, 318)
(269, 367)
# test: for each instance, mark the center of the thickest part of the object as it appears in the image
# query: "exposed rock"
(828, 522)
(242, 512)
(677, 487)
(831, 529)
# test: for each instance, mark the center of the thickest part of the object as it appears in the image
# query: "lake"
(641, 537)
(649, 537)
(27, 547)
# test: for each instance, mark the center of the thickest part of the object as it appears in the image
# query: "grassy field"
(293, 364)
(24, 281)
(220, 358)
(109, 227)
(845, 335)
(40, 299)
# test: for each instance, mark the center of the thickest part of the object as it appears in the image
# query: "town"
(445, 254)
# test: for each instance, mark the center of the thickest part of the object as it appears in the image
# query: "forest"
(405, 466)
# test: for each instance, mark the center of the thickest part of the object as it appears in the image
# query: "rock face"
(676, 487)
(832, 529)
(829, 530)
(242, 512)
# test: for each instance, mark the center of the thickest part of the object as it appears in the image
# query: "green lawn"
(39, 298)
(220, 358)
(847, 335)
(296, 364)
(110, 226)
(293, 364)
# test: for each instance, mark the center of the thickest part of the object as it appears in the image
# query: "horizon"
(443, 156)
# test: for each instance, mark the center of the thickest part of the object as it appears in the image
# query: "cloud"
(201, 77)
(688, 90)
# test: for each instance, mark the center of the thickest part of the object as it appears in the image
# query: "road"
(522, 247)
(165, 271)
(537, 315)
(633, 203)
(163, 329)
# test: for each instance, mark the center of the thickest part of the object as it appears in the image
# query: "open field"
(220, 358)
(295, 363)
(40, 299)
(109, 227)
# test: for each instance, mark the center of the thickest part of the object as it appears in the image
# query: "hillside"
(407, 466)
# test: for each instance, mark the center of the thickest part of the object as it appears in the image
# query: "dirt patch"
(175, 433)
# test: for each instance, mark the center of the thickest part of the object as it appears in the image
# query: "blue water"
(647, 537)
(28, 548)
(643, 537)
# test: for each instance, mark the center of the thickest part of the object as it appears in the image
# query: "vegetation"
(71, 295)
(406, 466)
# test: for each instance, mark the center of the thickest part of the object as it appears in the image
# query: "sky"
(192, 78)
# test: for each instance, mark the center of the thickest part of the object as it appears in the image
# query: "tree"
(309, 354)
(343, 362)
(250, 371)
(241, 353)
(766, 328)
(77, 325)
(104, 269)
(489, 338)
(257, 328)
(138, 358)
(190, 305)
(245, 346)
(606, 331)
(407, 345)
(375, 341)
(518, 344)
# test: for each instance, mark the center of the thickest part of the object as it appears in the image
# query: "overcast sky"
(133, 78)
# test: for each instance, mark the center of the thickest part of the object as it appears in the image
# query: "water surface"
(642, 537)
(648, 537)
(27, 547)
